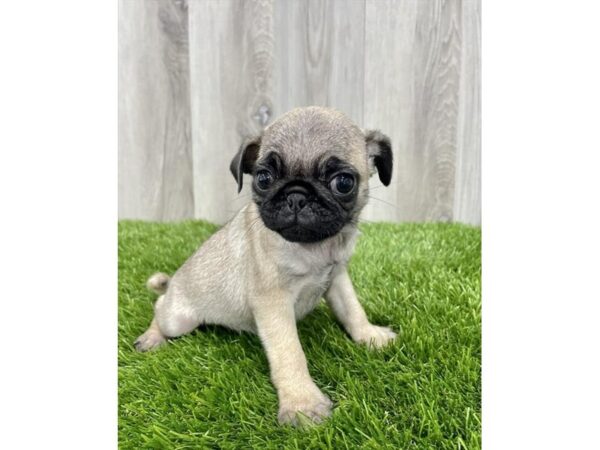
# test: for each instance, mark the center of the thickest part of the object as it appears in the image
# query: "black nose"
(296, 201)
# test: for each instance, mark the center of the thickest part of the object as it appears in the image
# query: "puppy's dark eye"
(342, 184)
(264, 179)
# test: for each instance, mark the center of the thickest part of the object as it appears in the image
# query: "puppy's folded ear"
(379, 149)
(243, 161)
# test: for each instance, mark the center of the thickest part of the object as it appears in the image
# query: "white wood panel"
(231, 62)
(389, 98)
(320, 55)
(155, 159)
(467, 194)
(412, 71)
(409, 68)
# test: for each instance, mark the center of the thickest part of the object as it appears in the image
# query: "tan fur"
(249, 278)
(158, 283)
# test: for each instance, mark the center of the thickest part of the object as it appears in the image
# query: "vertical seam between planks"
(189, 112)
(191, 107)
(364, 78)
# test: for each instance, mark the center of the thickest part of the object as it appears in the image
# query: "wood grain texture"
(231, 62)
(409, 68)
(155, 159)
(319, 49)
(389, 101)
(412, 69)
(467, 189)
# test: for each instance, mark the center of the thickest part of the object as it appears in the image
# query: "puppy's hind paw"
(149, 340)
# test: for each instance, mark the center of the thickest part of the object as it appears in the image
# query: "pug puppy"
(271, 264)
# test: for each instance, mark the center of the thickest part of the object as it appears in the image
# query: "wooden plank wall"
(197, 76)
(155, 152)
(231, 62)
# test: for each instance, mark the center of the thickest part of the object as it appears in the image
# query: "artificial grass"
(211, 389)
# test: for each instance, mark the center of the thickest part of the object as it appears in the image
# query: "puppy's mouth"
(302, 226)
(297, 232)
(299, 213)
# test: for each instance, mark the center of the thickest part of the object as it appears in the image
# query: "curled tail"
(159, 282)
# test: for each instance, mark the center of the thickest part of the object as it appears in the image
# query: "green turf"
(211, 389)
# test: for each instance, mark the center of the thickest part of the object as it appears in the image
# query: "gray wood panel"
(412, 71)
(389, 99)
(409, 68)
(155, 159)
(231, 62)
(320, 55)
(467, 194)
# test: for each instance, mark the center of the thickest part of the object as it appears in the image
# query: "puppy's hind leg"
(152, 338)
(171, 317)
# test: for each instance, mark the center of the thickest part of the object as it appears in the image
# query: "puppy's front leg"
(297, 392)
(345, 305)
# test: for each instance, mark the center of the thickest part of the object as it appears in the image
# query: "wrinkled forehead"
(306, 141)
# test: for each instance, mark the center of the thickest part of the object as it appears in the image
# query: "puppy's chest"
(314, 260)
(310, 290)
(308, 272)
(308, 277)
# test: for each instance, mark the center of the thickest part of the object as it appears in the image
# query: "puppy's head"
(310, 172)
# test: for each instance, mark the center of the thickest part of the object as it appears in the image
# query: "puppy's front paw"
(304, 406)
(375, 336)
